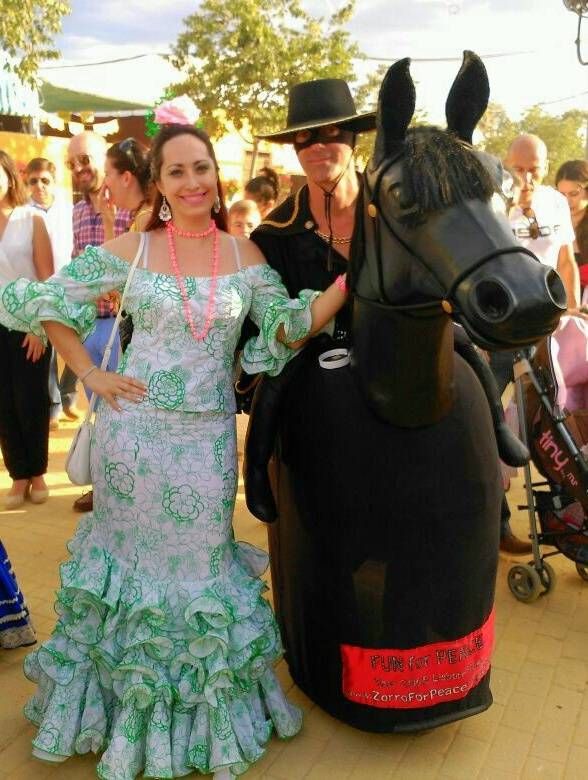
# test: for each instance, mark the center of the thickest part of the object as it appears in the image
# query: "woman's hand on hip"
(34, 347)
(112, 386)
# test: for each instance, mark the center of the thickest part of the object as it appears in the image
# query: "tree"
(241, 58)
(27, 29)
(497, 130)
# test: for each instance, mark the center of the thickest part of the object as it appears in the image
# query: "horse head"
(432, 243)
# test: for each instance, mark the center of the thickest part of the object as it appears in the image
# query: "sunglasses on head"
(129, 147)
(80, 159)
(35, 180)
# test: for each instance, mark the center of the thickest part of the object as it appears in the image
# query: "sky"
(538, 36)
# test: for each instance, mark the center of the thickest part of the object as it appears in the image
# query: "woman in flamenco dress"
(162, 655)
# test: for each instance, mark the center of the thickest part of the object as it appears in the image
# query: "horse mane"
(440, 171)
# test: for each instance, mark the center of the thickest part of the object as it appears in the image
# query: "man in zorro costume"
(332, 461)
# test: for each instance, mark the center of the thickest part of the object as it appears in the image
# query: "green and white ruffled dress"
(164, 649)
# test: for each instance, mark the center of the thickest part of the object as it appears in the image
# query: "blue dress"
(16, 629)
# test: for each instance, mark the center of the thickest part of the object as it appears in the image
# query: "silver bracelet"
(86, 374)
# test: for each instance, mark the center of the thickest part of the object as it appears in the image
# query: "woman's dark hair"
(577, 170)
(573, 170)
(129, 155)
(40, 164)
(16, 194)
(264, 187)
(166, 133)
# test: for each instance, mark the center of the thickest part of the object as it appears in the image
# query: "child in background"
(244, 217)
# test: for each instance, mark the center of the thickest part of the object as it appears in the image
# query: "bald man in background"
(540, 219)
(539, 215)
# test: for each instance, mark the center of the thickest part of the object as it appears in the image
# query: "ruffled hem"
(164, 677)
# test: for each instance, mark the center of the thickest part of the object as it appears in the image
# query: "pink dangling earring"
(216, 205)
(164, 211)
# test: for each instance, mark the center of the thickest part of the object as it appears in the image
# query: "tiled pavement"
(537, 727)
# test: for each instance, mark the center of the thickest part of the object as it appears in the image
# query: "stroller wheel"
(582, 571)
(524, 583)
(547, 577)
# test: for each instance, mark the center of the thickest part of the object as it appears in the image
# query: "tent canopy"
(55, 99)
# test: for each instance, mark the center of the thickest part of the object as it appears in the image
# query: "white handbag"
(77, 463)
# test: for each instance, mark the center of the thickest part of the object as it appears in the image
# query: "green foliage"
(240, 59)
(562, 134)
(27, 29)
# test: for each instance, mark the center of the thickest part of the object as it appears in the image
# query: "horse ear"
(396, 103)
(468, 97)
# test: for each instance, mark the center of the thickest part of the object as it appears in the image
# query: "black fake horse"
(386, 473)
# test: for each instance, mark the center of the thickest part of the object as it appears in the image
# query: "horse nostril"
(492, 300)
(556, 289)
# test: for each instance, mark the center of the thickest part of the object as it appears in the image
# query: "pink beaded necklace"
(171, 229)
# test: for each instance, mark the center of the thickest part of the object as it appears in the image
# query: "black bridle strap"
(509, 250)
(373, 197)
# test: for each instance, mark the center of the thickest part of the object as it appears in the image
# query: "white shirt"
(16, 246)
(553, 218)
(58, 219)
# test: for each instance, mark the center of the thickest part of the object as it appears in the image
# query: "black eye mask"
(318, 135)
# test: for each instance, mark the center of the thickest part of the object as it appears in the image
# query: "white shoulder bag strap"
(110, 342)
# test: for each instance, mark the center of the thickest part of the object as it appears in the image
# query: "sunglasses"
(534, 230)
(80, 159)
(43, 179)
(129, 147)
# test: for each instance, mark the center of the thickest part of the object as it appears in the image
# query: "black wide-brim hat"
(319, 103)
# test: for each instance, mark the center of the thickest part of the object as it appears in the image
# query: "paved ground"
(537, 728)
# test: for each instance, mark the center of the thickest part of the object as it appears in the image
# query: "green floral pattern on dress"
(164, 648)
(166, 390)
(181, 374)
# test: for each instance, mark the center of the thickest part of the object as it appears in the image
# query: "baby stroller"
(551, 384)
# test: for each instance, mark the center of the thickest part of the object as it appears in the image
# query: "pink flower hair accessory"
(180, 110)
(171, 110)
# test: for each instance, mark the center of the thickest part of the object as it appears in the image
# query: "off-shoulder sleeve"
(271, 307)
(68, 296)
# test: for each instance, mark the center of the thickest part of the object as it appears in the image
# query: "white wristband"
(334, 358)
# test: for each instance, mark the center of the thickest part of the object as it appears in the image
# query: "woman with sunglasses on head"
(164, 650)
(127, 185)
(25, 251)
(572, 181)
